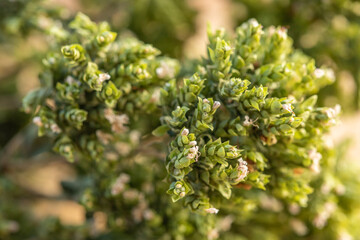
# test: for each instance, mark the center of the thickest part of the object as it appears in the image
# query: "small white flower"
(190, 156)
(287, 107)
(37, 121)
(321, 218)
(345, 236)
(192, 143)
(213, 234)
(330, 113)
(185, 132)
(117, 121)
(325, 188)
(119, 184)
(330, 74)
(216, 105)
(206, 101)
(182, 194)
(105, 138)
(253, 23)
(227, 48)
(337, 109)
(212, 210)
(282, 32)
(243, 168)
(319, 73)
(247, 122)
(103, 77)
(294, 208)
(315, 157)
(55, 128)
(194, 149)
(298, 227)
(270, 203)
(165, 70)
(70, 80)
(340, 189)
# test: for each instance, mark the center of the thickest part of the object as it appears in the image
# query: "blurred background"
(327, 30)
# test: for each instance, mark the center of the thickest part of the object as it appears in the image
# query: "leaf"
(225, 190)
(254, 104)
(160, 131)
(310, 102)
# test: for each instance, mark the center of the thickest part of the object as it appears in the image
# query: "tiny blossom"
(190, 156)
(330, 113)
(282, 33)
(212, 210)
(194, 149)
(325, 188)
(103, 77)
(213, 234)
(271, 203)
(131, 194)
(192, 143)
(345, 236)
(247, 122)
(337, 109)
(271, 30)
(117, 121)
(55, 128)
(165, 70)
(298, 227)
(182, 194)
(225, 223)
(216, 105)
(105, 138)
(319, 73)
(37, 121)
(118, 125)
(185, 132)
(119, 184)
(294, 209)
(70, 80)
(206, 101)
(287, 107)
(148, 214)
(315, 157)
(330, 74)
(253, 23)
(227, 48)
(340, 189)
(321, 218)
(243, 168)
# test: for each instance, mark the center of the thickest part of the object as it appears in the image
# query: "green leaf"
(160, 131)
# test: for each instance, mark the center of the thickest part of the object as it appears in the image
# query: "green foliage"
(268, 115)
(247, 156)
(327, 30)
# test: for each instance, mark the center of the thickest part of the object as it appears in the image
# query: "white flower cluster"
(315, 156)
(243, 169)
(165, 70)
(321, 218)
(117, 121)
(119, 184)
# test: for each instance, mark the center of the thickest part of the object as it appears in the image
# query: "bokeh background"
(30, 175)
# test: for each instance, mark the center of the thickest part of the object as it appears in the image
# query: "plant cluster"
(247, 156)
(308, 22)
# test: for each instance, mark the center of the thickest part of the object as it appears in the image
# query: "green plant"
(246, 136)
